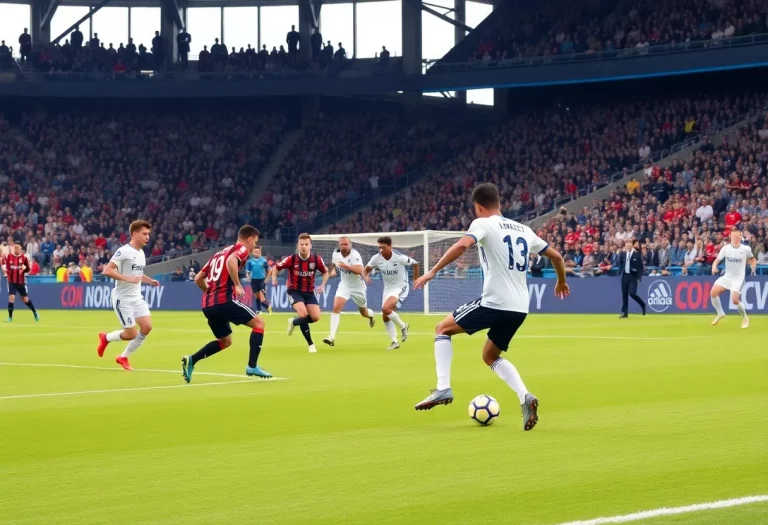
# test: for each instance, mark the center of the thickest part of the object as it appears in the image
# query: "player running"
(16, 266)
(350, 265)
(504, 249)
(222, 293)
(127, 269)
(256, 269)
(393, 268)
(736, 256)
(302, 266)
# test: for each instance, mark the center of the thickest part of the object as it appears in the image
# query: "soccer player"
(222, 294)
(256, 269)
(350, 265)
(736, 256)
(16, 267)
(127, 269)
(301, 267)
(393, 268)
(505, 246)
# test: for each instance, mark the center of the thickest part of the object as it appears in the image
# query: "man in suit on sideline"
(631, 268)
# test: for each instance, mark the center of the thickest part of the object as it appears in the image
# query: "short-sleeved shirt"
(130, 262)
(505, 246)
(220, 285)
(350, 279)
(301, 272)
(735, 260)
(394, 271)
(257, 267)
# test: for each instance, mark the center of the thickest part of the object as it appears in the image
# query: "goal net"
(460, 282)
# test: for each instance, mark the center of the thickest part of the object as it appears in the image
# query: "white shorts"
(128, 311)
(400, 292)
(358, 295)
(729, 283)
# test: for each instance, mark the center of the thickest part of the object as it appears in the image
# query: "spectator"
(25, 45)
(183, 40)
(178, 275)
(316, 43)
(292, 39)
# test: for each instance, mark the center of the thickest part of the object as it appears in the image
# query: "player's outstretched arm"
(416, 271)
(110, 270)
(367, 274)
(148, 280)
(714, 265)
(453, 253)
(562, 290)
(753, 264)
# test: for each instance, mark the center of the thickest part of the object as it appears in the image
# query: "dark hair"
(247, 232)
(257, 247)
(304, 235)
(17, 243)
(138, 225)
(385, 240)
(486, 195)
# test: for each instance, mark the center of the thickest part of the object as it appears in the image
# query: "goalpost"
(460, 282)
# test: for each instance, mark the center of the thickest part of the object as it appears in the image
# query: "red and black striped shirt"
(301, 272)
(16, 266)
(220, 286)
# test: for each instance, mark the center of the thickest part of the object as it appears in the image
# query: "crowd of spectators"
(557, 28)
(71, 182)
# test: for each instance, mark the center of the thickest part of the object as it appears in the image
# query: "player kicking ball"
(127, 269)
(505, 246)
(350, 266)
(394, 272)
(16, 266)
(301, 267)
(222, 295)
(736, 256)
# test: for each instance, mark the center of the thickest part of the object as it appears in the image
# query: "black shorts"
(258, 285)
(501, 324)
(20, 289)
(220, 315)
(295, 296)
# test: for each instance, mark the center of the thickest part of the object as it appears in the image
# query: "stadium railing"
(614, 54)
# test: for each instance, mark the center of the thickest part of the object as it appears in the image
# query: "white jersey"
(349, 279)
(505, 246)
(130, 262)
(394, 271)
(735, 261)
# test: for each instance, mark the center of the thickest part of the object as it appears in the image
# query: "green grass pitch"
(661, 411)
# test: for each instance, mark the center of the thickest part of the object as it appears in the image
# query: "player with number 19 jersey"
(220, 287)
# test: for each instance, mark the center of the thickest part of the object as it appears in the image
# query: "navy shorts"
(20, 289)
(501, 324)
(221, 315)
(295, 296)
(258, 285)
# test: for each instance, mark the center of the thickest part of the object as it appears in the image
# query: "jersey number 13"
(520, 243)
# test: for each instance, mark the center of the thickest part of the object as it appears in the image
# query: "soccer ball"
(484, 410)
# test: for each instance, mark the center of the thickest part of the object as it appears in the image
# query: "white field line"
(671, 511)
(84, 392)
(115, 369)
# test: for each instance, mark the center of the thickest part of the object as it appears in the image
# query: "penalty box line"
(671, 511)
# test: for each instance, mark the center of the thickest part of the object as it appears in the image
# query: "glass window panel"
(241, 27)
(379, 24)
(13, 19)
(437, 36)
(204, 26)
(276, 22)
(111, 23)
(480, 96)
(336, 25)
(65, 16)
(144, 22)
(476, 13)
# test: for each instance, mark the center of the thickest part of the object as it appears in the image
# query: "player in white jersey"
(736, 257)
(349, 264)
(393, 267)
(127, 269)
(505, 246)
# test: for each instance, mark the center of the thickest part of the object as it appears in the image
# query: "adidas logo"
(659, 296)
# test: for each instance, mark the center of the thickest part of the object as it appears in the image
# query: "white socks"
(742, 310)
(391, 331)
(114, 336)
(508, 373)
(396, 319)
(443, 358)
(370, 314)
(718, 306)
(134, 345)
(335, 320)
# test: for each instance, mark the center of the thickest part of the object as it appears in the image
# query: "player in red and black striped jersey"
(16, 266)
(301, 267)
(222, 296)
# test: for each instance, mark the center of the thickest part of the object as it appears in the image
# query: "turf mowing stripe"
(137, 389)
(115, 369)
(670, 511)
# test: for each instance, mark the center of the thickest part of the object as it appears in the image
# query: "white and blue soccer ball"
(484, 410)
